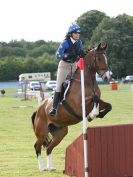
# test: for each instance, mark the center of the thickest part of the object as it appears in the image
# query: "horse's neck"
(89, 75)
(75, 87)
(73, 96)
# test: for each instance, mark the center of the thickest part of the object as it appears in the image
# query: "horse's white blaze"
(94, 112)
(106, 61)
(40, 163)
(107, 75)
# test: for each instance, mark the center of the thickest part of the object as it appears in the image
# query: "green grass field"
(17, 155)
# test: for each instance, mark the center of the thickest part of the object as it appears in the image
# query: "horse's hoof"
(89, 119)
(100, 116)
(51, 169)
(43, 169)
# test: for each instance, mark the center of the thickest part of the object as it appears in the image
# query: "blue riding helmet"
(74, 28)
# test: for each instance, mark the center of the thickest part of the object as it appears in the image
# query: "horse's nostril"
(106, 79)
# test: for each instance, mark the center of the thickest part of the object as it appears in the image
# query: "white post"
(81, 66)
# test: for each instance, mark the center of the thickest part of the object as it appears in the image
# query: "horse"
(50, 130)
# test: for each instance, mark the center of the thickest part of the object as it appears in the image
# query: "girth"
(69, 109)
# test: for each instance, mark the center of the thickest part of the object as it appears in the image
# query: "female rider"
(68, 53)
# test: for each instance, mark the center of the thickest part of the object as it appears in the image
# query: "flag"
(80, 63)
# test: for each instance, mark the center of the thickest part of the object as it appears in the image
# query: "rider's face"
(75, 35)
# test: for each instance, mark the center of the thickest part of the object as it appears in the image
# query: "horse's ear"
(98, 47)
(104, 47)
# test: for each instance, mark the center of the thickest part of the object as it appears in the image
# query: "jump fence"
(110, 152)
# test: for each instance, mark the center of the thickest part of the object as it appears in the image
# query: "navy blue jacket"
(68, 51)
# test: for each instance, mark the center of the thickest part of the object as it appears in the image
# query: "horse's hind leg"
(57, 138)
(41, 132)
(104, 108)
(37, 147)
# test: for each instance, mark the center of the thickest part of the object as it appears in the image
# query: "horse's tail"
(33, 118)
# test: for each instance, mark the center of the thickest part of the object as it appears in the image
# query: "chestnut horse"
(50, 130)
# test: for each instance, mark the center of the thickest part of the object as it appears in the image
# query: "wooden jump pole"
(80, 64)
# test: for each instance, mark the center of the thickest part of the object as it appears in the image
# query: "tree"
(88, 23)
(17, 57)
(10, 68)
(118, 34)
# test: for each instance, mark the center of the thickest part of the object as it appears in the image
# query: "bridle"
(94, 64)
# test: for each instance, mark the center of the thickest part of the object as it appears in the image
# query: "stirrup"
(52, 112)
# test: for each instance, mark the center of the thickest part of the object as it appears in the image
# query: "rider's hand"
(70, 56)
(82, 54)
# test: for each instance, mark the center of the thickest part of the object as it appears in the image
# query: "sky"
(49, 20)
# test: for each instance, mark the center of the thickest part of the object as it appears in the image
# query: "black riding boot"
(56, 100)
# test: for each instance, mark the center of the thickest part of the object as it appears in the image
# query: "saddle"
(63, 101)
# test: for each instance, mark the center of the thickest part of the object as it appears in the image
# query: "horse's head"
(98, 61)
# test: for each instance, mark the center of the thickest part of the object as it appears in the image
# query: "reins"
(92, 68)
(93, 65)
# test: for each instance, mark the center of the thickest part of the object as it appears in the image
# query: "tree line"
(18, 57)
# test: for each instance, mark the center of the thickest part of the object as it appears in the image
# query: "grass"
(17, 156)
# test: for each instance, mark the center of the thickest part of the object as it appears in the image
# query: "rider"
(69, 51)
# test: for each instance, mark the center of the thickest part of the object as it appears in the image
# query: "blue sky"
(33, 20)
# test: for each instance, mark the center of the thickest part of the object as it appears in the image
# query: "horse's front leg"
(95, 108)
(94, 112)
(57, 138)
(104, 108)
